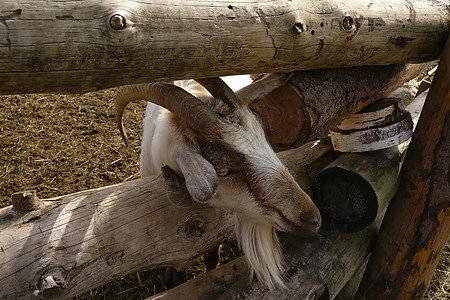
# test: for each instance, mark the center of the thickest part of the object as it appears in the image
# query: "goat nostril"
(310, 218)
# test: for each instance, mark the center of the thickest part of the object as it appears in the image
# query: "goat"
(219, 146)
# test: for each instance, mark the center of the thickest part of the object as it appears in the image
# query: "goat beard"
(261, 246)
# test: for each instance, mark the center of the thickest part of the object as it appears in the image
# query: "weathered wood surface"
(417, 222)
(312, 102)
(90, 238)
(316, 269)
(77, 242)
(356, 188)
(374, 128)
(331, 95)
(79, 46)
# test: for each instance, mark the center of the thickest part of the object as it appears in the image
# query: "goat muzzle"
(310, 222)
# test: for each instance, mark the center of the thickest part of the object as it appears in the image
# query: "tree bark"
(417, 222)
(356, 188)
(71, 244)
(79, 46)
(306, 107)
(331, 95)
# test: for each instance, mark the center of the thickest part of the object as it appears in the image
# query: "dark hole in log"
(325, 295)
(31, 220)
(348, 198)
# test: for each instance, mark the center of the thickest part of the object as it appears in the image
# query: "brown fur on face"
(229, 164)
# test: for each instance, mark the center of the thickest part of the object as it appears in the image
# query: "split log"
(71, 244)
(316, 269)
(79, 46)
(417, 222)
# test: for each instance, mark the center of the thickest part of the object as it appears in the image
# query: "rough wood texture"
(76, 242)
(314, 101)
(212, 285)
(330, 95)
(89, 238)
(316, 269)
(79, 46)
(284, 117)
(377, 114)
(379, 126)
(356, 188)
(417, 222)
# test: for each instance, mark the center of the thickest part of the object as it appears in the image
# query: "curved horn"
(220, 90)
(260, 88)
(199, 116)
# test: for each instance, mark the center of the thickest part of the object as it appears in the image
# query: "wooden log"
(79, 46)
(356, 188)
(213, 284)
(316, 269)
(74, 243)
(379, 126)
(417, 222)
(331, 95)
(375, 115)
(85, 239)
(314, 101)
(348, 292)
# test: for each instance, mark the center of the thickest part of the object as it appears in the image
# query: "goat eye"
(221, 170)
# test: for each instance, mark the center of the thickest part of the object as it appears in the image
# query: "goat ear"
(199, 174)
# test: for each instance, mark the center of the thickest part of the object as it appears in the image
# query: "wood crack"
(262, 16)
(3, 19)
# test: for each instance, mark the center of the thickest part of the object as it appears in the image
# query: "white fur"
(157, 149)
(255, 224)
(259, 241)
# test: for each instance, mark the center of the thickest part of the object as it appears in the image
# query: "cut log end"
(348, 198)
(284, 116)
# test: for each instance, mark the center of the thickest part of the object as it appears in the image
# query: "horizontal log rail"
(316, 269)
(62, 247)
(79, 46)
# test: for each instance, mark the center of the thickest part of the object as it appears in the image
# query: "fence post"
(417, 222)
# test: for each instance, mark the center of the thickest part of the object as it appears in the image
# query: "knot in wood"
(117, 22)
(25, 201)
(195, 228)
(347, 23)
(52, 283)
(298, 28)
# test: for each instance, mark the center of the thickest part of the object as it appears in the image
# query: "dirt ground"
(60, 144)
